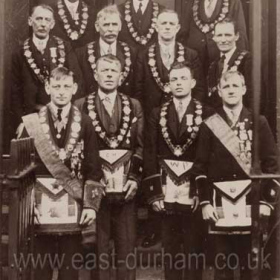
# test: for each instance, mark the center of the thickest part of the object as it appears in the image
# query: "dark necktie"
(139, 16)
(59, 111)
(221, 64)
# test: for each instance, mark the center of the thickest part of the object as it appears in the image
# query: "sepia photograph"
(140, 139)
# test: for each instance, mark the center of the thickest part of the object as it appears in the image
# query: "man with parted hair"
(222, 173)
(33, 62)
(139, 22)
(231, 57)
(152, 66)
(108, 25)
(118, 122)
(74, 20)
(170, 145)
(68, 190)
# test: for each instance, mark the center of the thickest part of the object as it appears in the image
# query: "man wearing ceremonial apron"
(118, 122)
(68, 175)
(222, 167)
(170, 144)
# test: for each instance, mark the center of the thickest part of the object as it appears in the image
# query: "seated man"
(118, 122)
(68, 174)
(222, 170)
(170, 144)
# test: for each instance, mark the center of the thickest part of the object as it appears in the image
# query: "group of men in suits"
(132, 71)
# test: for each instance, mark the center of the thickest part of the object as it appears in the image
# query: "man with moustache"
(170, 145)
(222, 173)
(153, 64)
(74, 20)
(33, 62)
(118, 122)
(108, 25)
(68, 177)
(139, 21)
(231, 58)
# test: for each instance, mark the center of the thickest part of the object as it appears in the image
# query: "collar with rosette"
(179, 150)
(179, 57)
(204, 26)
(73, 135)
(127, 60)
(57, 55)
(125, 125)
(81, 25)
(140, 39)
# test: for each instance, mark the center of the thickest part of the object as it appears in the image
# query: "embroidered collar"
(179, 57)
(192, 121)
(204, 26)
(125, 126)
(57, 54)
(74, 33)
(141, 39)
(127, 59)
(73, 137)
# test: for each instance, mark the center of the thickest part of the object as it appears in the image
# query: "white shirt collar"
(65, 110)
(40, 43)
(213, 3)
(236, 111)
(104, 47)
(111, 95)
(70, 5)
(228, 55)
(169, 47)
(136, 4)
(185, 101)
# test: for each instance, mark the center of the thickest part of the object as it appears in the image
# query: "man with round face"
(139, 18)
(74, 20)
(118, 122)
(170, 145)
(153, 64)
(67, 156)
(222, 168)
(108, 25)
(33, 62)
(231, 58)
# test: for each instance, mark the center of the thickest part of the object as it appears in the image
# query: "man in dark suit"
(118, 122)
(153, 64)
(222, 170)
(33, 62)
(170, 144)
(74, 20)
(108, 25)
(231, 58)
(199, 22)
(138, 22)
(68, 176)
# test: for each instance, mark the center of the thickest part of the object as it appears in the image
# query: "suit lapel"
(147, 17)
(172, 120)
(120, 54)
(163, 72)
(233, 58)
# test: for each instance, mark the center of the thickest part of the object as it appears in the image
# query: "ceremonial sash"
(229, 140)
(50, 159)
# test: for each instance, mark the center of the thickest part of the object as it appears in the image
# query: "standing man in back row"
(139, 22)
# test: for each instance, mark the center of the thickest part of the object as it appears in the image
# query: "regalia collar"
(57, 55)
(73, 136)
(140, 39)
(206, 27)
(193, 122)
(179, 57)
(91, 50)
(123, 133)
(76, 31)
